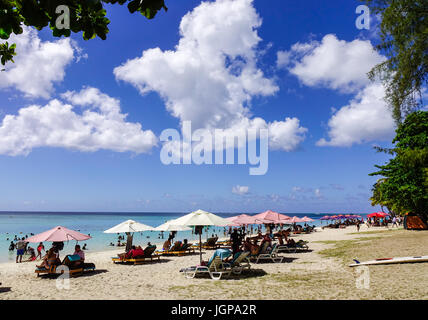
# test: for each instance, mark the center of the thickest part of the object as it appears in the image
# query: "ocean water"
(94, 223)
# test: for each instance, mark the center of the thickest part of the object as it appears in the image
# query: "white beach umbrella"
(200, 218)
(168, 226)
(128, 227)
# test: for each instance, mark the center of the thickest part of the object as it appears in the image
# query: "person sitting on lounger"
(166, 245)
(135, 252)
(266, 238)
(80, 253)
(253, 248)
(291, 243)
(50, 259)
(247, 245)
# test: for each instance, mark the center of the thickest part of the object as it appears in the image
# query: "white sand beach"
(304, 275)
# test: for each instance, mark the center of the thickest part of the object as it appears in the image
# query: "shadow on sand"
(5, 289)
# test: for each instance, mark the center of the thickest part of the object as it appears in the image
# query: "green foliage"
(404, 187)
(404, 41)
(88, 17)
(6, 52)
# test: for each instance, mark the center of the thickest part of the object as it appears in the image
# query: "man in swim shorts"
(20, 249)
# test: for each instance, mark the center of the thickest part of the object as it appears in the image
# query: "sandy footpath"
(162, 280)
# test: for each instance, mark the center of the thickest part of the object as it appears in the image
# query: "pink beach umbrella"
(243, 219)
(325, 218)
(270, 216)
(295, 219)
(58, 234)
(232, 223)
(307, 219)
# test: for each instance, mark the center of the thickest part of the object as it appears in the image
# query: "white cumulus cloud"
(211, 76)
(366, 118)
(38, 64)
(332, 63)
(343, 66)
(99, 125)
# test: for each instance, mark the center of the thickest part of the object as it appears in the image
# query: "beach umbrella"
(129, 227)
(307, 219)
(270, 216)
(382, 214)
(168, 226)
(58, 233)
(234, 224)
(378, 214)
(325, 218)
(200, 218)
(243, 219)
(295, 219)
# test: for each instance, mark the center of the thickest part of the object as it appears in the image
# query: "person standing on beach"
(358, 225)
(236, 241)
(394, 222)
(20, 249)
(40, 247)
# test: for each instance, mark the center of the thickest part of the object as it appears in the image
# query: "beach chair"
(302, 245)
(149, 255)
(67, 262)
(216, 269)
(224, 244)
(181, 250)
(272, 255)
(211, 244)
(239, 263)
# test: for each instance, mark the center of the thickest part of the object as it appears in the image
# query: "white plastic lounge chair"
(272, 255)
(216, 269)
(300, 245)
(240, 263)
(286, 248)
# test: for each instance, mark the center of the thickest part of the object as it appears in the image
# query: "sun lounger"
(210, 244)
(299, 245)
(180, 251)
(240, 262)
(60, 269)
(272, 255)
(225, 243)
(149, 255)
(302, 245)
(215, 269)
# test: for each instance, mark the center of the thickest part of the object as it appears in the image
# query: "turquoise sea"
(94, 223)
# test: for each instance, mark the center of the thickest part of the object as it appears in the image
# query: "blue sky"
(312, 59)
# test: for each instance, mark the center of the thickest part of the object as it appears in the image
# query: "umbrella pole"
(200, 247)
